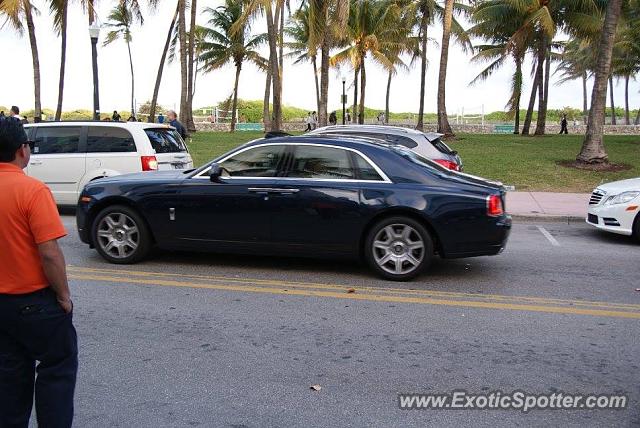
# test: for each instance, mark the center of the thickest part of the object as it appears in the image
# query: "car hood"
(621, 186)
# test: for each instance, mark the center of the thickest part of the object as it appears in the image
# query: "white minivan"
(68, 155)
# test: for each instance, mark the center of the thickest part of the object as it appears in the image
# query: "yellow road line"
(387, 290)
(363, 297)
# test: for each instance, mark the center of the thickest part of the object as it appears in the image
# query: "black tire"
(131, 229)
(404, 260)
(636, 228)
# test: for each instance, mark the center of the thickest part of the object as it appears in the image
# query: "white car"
(68, 155)
(615, 207)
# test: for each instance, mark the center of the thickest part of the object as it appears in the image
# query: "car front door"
(317, 207)
(58, 160)
(236, 209)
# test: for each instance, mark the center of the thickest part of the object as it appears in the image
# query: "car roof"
(335, 140)
(382, 129)
(142, 125)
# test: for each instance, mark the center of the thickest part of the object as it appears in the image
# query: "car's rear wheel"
(398, 248)
(120, 235)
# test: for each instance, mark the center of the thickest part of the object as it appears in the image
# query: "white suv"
(68, 155)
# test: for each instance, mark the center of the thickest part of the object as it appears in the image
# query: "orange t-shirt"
(28, 217)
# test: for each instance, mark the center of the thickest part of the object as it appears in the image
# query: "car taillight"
(149, 163)
(448, 164)
(494, 206)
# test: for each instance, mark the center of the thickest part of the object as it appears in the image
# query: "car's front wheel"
(398, 248)
(120, 235)
(636, 228)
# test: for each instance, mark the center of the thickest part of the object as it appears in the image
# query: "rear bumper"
(494, 242)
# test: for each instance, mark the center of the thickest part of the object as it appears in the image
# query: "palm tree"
(221, 45)
(190, 125)
(163, 59)
(298, 33)
(443, 120)
(369, 33)
(59, 10)
(497, 29)
(121, 19)
(15, 12)
(626, 53)
(593, 147)
(578, 62)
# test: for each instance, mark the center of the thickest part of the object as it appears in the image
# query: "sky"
(214, 87)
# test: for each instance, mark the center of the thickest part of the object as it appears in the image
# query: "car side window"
(103, 139)
(366, 171)
(403, 141)
(321, 163)
(63, 139)
(260, 161)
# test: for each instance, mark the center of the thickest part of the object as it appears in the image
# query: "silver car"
(427, 144)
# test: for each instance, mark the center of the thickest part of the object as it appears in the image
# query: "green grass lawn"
(529, 163)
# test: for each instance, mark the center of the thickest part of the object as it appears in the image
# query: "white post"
(483, 116)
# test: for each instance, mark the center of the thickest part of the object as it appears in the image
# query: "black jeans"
(33, 327)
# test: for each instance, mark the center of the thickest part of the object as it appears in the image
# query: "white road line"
(547, 235)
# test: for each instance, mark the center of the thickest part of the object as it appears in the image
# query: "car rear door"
(58, 160)
(237, 209)
(170, 150)
(317, 204)
(110, 151)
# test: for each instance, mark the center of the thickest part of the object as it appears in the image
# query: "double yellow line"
(374, 294)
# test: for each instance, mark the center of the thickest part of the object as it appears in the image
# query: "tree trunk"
(281, 48)
(443, 120)
(543, 88)
(190, 125)
(315, 79)
(593, 147)
(613, 106)
(272, 32)
(637, 121)
(518, 94)
(423, 69)
(356, 74)
(532, 100)
(184, 70)
(163, 58)
(386, 107)
(133, 97)
(585, 113)
(324, 82)
(627, 114)
(266, 114)
(35, 59)
(63, 58)
(234, 105)
(363, 84)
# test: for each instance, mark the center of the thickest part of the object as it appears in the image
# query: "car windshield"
(165, 140)
(440, 145)
(420, 160)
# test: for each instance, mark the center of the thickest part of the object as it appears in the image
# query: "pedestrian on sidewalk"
(308, 121)
(314, 120)
(172, 117)
(563, 125)
(14, 112)
(160, 118)
(116, 116)
(35, 303)
(333, 118)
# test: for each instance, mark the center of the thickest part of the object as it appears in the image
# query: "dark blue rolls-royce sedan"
(315, 196)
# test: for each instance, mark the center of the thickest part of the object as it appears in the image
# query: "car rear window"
(415, 158)
(164, 140)
(440, 145)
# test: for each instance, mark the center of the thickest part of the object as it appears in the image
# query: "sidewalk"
(547, 205)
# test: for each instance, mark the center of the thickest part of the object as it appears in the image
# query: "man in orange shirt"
(35, 303)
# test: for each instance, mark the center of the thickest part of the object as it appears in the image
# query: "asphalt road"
(211, 340)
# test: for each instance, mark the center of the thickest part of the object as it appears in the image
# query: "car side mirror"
(215, 173)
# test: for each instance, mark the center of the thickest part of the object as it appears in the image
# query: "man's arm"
(54, 268)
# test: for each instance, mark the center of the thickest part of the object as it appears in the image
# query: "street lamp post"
(94, 33)
(344, 101)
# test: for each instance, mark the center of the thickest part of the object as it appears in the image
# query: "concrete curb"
(548, 218)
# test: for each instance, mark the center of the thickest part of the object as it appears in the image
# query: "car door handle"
(35, 163)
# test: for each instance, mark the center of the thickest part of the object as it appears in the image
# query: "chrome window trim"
(204, 174)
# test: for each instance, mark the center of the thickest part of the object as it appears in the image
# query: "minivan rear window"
(164, 140)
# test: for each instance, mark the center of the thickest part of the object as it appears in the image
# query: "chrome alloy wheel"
(398, 249)
(118, 235)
